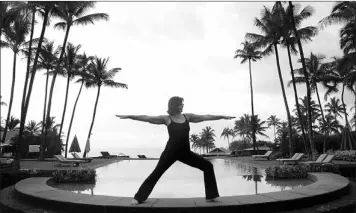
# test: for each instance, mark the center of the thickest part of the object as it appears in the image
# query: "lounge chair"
(295, 160)
(77, 157)
(266, 155)
(106, 154)
(283, 159)
(141, 156)
(319, 160)
(63, 161)
(327, 160)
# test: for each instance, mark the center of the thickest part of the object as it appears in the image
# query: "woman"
(177, 148)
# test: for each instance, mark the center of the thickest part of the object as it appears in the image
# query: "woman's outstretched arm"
(199, 118)
(161, 119)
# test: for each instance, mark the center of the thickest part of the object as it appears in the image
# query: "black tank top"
(178, 135)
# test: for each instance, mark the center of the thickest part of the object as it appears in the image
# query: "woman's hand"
(122, 116)
(229, 117)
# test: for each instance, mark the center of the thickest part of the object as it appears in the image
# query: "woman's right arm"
(161, 119)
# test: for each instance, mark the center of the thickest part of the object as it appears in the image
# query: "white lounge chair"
(266, 155)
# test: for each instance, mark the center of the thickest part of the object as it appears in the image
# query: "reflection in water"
(123, 178)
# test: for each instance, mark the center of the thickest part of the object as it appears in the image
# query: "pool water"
(123, 178)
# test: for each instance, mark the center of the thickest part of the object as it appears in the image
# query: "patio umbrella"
(87, 148)
(74, 147)
(347, 141)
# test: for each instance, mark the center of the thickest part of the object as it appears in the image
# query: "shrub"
(81, 175)
(297, 171)
(346, 155)
(276, 155)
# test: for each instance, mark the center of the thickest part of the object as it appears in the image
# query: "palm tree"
(258, 126)
(47, 58)
(12, 123)
(226, 133)
(45, 9)
(272, 33)
(334, 108)
(241, 127)
(99, 76)
(72, 13)
(194, 138)
(2, 103)
(33, 128)
(275, 122)
(207, 138)
(82, 72)
(300, 47)
(342, 12)
(15, 37)
(70, 65)
(248, 53)
(289, 41)
(316, 72)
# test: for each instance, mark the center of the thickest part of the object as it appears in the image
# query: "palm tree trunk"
(28, 63)
(311, 140)
(343, 103)
(285, 102)
(296, 98)
(48, 116)
(322, 115)
(94, 113)
(274, 130)
(24, 113)
(64, 112)
(355, 109)
(44, 107)
(228, 143)
(11, 97)
(71, 120)
(252, 110)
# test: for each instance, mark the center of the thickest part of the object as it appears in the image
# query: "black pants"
(188, 157)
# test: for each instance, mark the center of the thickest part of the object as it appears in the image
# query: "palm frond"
(89, 19)
(60, 25)
(114, 84)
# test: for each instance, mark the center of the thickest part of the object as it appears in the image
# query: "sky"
(169, 49)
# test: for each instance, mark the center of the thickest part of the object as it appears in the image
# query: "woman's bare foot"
(213, 200)
(134, 202)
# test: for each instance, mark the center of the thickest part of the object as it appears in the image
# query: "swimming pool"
(123, 178)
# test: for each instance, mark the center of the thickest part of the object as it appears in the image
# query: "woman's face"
(180, 107)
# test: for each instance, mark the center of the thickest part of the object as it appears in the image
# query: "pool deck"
(327, 188)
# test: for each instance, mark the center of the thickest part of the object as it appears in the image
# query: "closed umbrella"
(74, 147)
(347, 141)
(87, 148)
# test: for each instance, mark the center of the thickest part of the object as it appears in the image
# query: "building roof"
(218, 150)
(260, 148)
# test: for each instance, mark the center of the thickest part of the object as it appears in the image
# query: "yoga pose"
(177, 148)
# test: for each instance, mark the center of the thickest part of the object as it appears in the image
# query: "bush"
(81, 175)
(346, 155)
(298, 171)
(277, 155)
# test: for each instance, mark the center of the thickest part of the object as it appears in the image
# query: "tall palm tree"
(99, 75)
(48, 56)
(72, 13)
(272, 32)
(207, 136)
(248, 53)
(82, 72)
(241, 127)
(45, 9)
(69, 67)
(300, 47)
(316, 72)
(15, 37)
(289, 41)
(275, 122)
(226, 133)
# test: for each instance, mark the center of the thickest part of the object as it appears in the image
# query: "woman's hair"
(173, 104)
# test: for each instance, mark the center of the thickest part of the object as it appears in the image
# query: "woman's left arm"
(193, 118)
